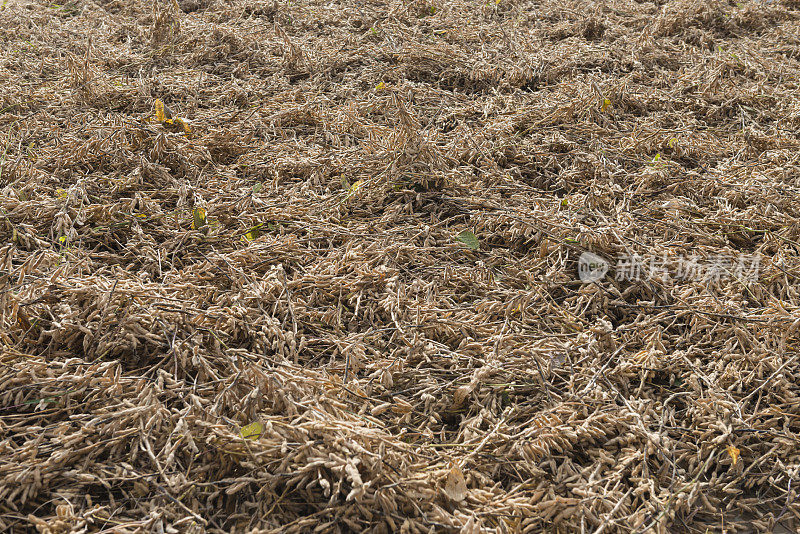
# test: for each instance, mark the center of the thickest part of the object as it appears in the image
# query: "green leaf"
(257, 187)
(252, 431)
(469, 239)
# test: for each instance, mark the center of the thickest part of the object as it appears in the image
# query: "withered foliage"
(288, 261)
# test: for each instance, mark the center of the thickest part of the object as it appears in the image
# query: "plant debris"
(209, 329)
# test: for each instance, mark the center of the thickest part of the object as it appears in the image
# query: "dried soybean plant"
(337, 286)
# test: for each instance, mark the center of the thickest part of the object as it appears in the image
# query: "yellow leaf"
(252, 431)
(61, 193)
(253, 232)
(354, 189)
(733, 452)
(671, 143)
(161, 111)
(380, 87)
(605, 105)
(198, 218)
(184, 124)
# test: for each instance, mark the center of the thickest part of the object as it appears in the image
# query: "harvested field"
(340, 283)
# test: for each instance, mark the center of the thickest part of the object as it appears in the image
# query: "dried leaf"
(455, 486)
(460, 395)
